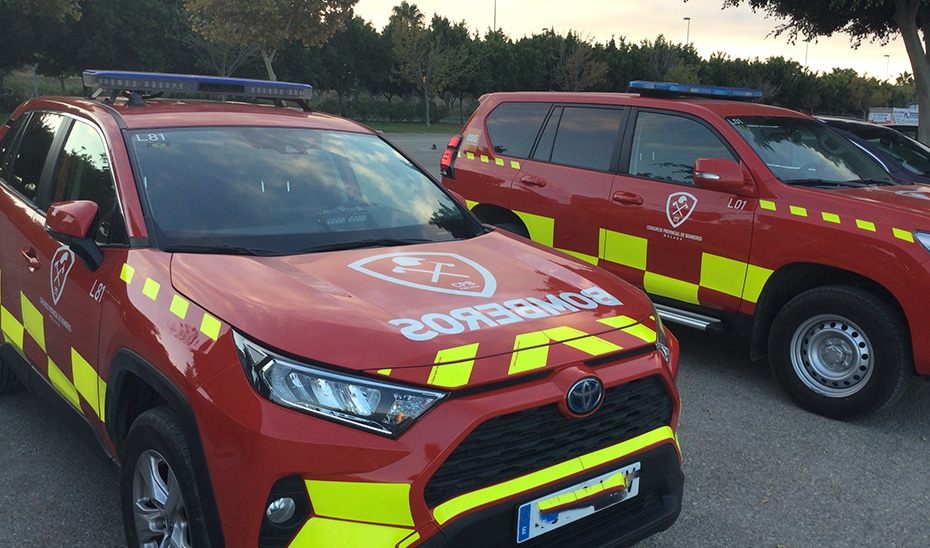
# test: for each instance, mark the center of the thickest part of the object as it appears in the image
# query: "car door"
(665, 234)
(562, 191)
(51, 299)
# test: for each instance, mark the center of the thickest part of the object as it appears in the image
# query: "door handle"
(532, 180)
(29, 253)
(627, 198)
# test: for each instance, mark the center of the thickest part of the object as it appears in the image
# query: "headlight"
(923, 238)
(380, 407)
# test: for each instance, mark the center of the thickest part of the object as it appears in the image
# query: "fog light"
(281, 510)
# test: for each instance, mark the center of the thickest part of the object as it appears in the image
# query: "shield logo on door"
(62, 262)
(679, 207)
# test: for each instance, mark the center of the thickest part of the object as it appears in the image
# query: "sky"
(737, 32)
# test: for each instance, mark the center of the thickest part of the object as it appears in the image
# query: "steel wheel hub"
(832, 356)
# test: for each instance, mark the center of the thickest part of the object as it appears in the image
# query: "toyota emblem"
(585, 396)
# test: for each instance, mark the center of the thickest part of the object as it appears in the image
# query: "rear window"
(512, 127)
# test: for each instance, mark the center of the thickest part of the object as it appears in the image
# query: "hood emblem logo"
(679, 207)
(62, 262)
(430, 271)
(585, 396)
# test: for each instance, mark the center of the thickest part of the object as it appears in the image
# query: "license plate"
(569, 505)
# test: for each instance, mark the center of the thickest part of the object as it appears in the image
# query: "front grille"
(509, 446)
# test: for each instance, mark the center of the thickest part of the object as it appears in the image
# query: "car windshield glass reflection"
(284, 190)
(803, 151)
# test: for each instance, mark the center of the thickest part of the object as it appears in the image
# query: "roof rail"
(138, 85)
(669, 89)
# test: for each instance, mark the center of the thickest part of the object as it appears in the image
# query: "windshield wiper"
(222, 249)
(361, 244)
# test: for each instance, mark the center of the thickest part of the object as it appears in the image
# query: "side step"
(692, 319)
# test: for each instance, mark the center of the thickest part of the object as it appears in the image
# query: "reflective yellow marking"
(385, 372)
(485, 159)
(579, 340)
(150, 289)
(86, 382)
(63, 385)
(903, 235)
(470, 155)
(470, 204)
(530, 351)
(767, 204)
(179, 306)
(865, 225)
(798, 210)
(670, 287)
(830, 217)
(102, 391)
(210, 326)
(12, 329)
(385, 503)
(409, 540)
(330, 532)
(623, 249)
(542, 229)
(514, 164)
(499, 162)
(461, 504)
(583, 256)
(454, 366)
(127, 273)
(632, 327)
(33, 321)
(756, 276)
(722, 274)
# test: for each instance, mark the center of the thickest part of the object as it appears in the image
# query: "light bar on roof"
(154, 82)
(669, 88)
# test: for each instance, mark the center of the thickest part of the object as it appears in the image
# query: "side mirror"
(720, 175)
(70, 223)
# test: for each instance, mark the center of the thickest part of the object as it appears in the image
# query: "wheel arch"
(496, 215)
(135, 386)
(793, 279)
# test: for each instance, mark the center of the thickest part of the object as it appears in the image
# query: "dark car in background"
(907, 159)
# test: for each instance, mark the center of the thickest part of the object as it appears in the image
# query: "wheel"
(160, 501)
(840, 351)
(515, 228)
(9, 382)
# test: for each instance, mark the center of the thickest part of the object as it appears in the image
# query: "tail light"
(448, 157)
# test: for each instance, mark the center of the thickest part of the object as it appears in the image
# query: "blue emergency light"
(154, 82)
(667, 89)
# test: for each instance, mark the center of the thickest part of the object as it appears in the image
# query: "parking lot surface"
(759, 471)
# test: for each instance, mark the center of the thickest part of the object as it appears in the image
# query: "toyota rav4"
(286, 333)
(731, 214)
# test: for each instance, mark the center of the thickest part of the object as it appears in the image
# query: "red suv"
(287, 334)
(730, 214)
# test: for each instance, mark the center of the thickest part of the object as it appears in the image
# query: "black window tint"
(512, 127)
(586, 137)
(543, 151)
(30, 156)
(665, 147)
(84, 174)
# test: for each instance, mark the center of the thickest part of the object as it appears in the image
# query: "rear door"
(666, 235)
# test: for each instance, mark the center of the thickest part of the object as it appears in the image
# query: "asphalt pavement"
(759, 471)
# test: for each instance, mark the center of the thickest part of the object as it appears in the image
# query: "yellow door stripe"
(63, 385)
(33, 321)
(12, 329)
(723, 274)
(624, 249)
(670, 287)
(541, 229)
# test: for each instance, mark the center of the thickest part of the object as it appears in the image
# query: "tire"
(514, 228)
(841, 352)
(160, 502)
(9, 382)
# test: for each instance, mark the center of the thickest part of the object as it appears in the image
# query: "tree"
(875, 20)
(576, 69)
(269, 23)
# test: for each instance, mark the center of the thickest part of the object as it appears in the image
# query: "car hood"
(904, 198)
(379, 309)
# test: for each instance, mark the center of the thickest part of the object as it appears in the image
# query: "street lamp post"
(688, 33)
(887, 65)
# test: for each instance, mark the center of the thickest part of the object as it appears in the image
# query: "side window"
(83, 173)
(512, 127)
(586, 137)
(665, 147)
(27, 162)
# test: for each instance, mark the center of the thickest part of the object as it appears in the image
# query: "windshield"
(804, 151)
(913, 155)
(285, 190)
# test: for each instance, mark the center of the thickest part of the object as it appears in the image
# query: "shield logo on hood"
(679, 207)
(430, 271)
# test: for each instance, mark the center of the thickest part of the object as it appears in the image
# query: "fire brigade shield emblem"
(62, 262)
(430, 271)
(679, 207)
